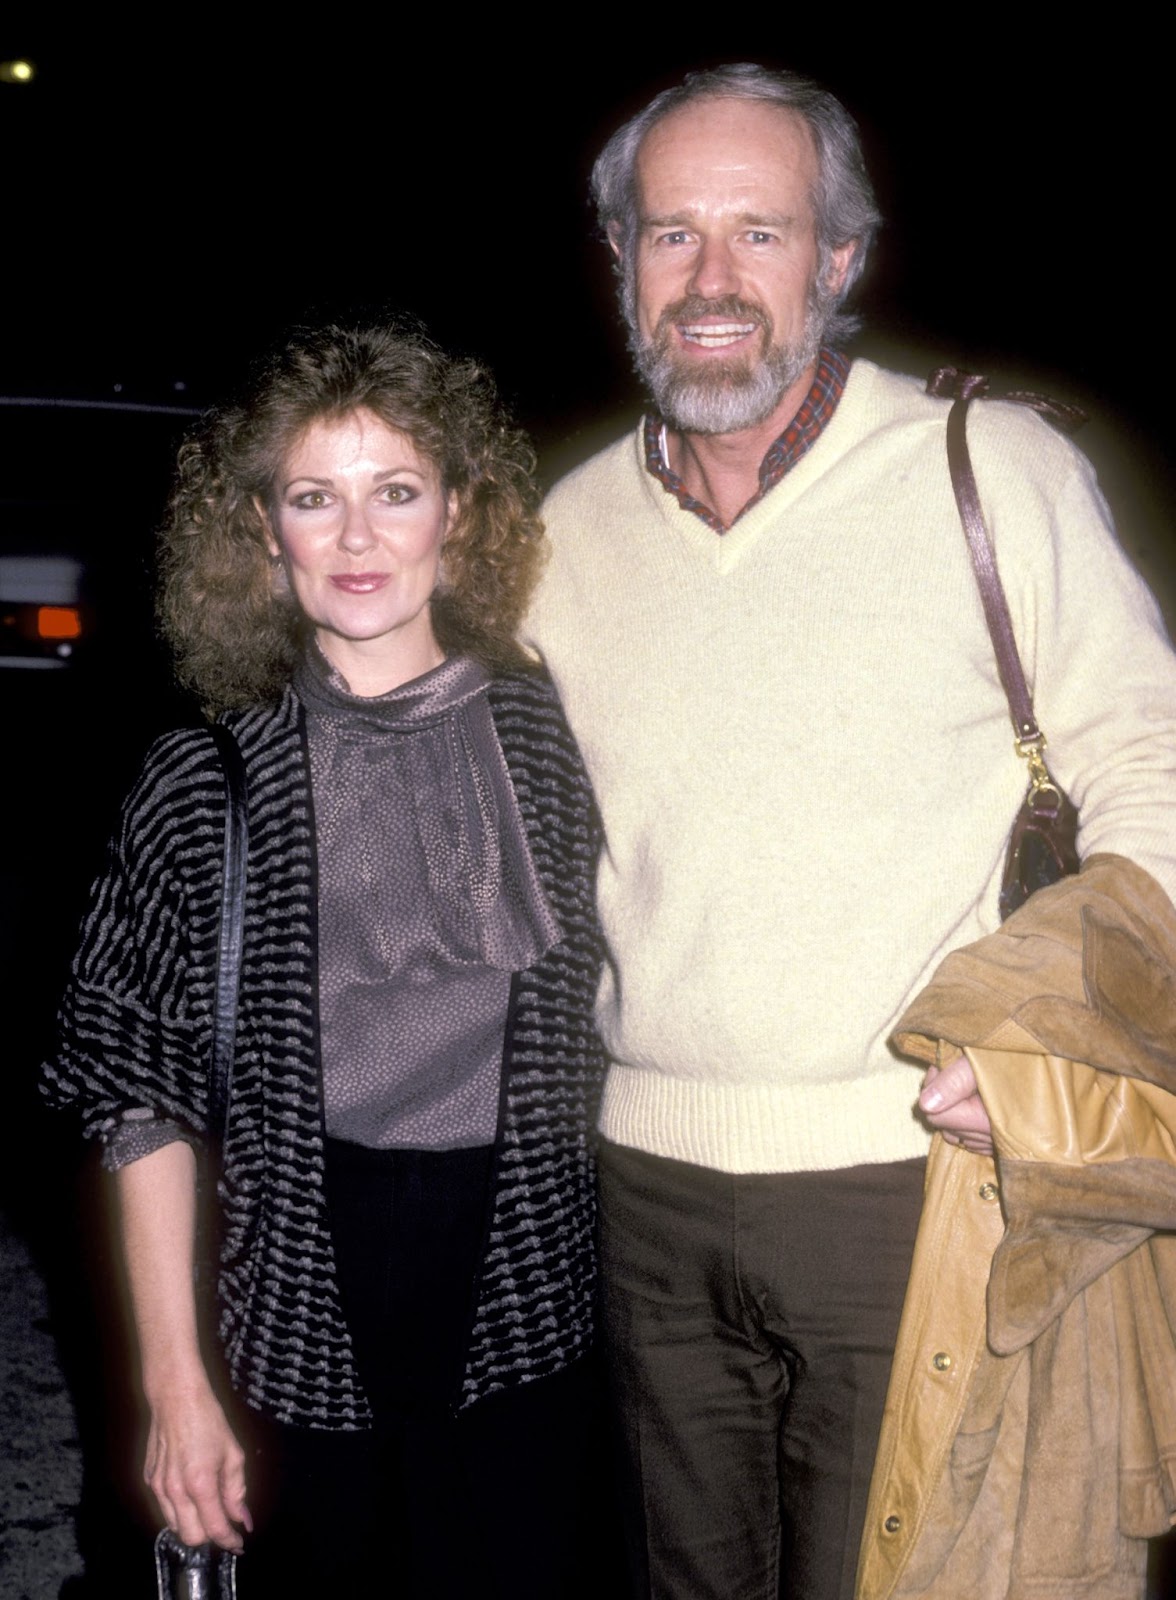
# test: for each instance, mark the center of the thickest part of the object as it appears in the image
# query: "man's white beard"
(722, 396)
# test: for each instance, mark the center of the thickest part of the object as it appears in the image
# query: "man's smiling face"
(725, 314)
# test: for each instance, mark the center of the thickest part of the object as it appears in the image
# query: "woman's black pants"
(496, 1500)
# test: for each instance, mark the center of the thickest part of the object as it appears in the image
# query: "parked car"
(41, 610)
(82, 488)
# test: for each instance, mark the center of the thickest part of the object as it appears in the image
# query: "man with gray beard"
(760, 614)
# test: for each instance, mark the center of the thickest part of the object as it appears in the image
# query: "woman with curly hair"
(405, 1273)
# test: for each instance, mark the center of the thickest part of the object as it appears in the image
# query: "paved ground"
(40, 1463)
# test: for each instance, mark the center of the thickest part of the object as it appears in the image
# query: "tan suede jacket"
(1028, 1449)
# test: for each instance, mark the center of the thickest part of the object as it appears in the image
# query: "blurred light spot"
(58, 622)
(17, 72)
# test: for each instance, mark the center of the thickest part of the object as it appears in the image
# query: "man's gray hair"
(843, 201)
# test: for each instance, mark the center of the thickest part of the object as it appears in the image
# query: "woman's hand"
(196, 1469)
(194, 1466)
(950, 1102)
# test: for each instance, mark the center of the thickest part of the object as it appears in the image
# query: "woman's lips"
(360, 582)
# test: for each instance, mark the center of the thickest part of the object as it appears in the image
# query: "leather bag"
(1043, 844)
(187, 1572)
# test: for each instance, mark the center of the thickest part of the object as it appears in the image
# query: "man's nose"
(356, 534)
(714, 272)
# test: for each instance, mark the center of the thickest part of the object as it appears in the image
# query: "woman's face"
(359, 520)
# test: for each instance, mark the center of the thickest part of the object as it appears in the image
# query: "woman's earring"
(279, 578)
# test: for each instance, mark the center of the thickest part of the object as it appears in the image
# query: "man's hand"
(949, 1102)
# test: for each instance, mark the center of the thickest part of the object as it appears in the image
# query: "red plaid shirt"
(783, 453)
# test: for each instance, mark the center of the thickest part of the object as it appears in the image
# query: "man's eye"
(758, 236)
(679, 236)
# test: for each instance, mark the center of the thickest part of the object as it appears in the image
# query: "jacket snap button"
(941, 1361)
(988, 1191)
(892, 1524)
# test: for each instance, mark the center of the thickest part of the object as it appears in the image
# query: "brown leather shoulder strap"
(963, 387)
(949, 383)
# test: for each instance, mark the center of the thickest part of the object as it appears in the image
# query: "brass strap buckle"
(1042, 788)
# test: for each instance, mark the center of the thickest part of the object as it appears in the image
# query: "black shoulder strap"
(232, 927)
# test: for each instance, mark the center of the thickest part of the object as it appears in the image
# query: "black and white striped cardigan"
(134, 1034)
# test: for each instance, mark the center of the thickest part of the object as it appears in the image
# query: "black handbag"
(193, 1572)
(1043, 843)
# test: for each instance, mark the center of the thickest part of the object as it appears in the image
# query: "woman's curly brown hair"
(235, 640)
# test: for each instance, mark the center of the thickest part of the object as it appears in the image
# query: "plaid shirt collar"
(783, 453)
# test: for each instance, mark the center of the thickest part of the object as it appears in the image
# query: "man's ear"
(613, 233)
(839, 262)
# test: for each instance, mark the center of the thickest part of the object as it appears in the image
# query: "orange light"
(58, 622)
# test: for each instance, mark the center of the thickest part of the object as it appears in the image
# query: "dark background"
(173, 197)
(172, 201)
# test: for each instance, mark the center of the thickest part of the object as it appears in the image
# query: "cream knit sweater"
(804, 760)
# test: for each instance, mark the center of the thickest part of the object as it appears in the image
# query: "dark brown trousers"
(751, 1322)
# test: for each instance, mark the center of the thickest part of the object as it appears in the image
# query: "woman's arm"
(194, 1466)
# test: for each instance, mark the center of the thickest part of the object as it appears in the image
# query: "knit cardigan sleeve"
(133, 1028)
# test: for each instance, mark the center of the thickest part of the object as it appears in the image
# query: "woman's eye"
(312, 500)
(398, 494)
